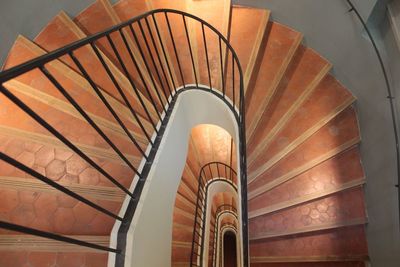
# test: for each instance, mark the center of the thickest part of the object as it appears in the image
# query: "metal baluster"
(164, 53)
(65, 239)
(176, 53)
(145, 61)
(190, 49)
(55, 185)
(128, 75)
(233, 80)
(206, 50)
(222, 67)
(57, 134)
(211, 173)
(114, 81)
(87, 118)
(105, 102)
(159, 59)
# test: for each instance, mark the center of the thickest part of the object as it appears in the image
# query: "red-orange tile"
(64, 220)
(331, 173)
(42, 259)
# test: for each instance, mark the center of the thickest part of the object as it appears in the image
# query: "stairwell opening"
(151, 228)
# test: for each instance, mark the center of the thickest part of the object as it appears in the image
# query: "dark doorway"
(230, 249)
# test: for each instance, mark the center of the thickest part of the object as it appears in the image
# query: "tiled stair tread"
(336, 133)
(217, 14)
(96, 192)
(334, 172)
(252, 23)
(73, 129)
(100, 16)
(59, 259)
(285, 137)
(304, 199)
(322, 105)
(53, 142)
(67, 108)
(282, 43)
(282, 81)
(303, 75)
(315, 214)
(32, 243)
(28, 49)
(41, 89)
(349, 241)
(127, 9)
(335, 260)
(68, 31)
(55, 212)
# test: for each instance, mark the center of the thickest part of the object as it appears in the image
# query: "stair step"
(217, 13)
(321, 214)
(212, 144)
(328, 101)
(96, 192)
(168, 4)
(67, 31)
(251, 24)
(25, 49)
(349, 243)
(189, 179)
(128, 9)
(38, 244)
(55, 212)
(59, 259)
(338, 173)
(50, 141)
(28, 86)
(182, 203)
(180, 253)
(181, 236)
(304, 199)
(317, 261)
(282, 43)
(301, 79)
(100, 16)
(75, 130)
(182, 219)
(186, 191)
(67, 108)
(336, 136)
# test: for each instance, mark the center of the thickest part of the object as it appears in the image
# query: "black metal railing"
(389, 96)
(210, 173)
(156, 73)
(224, 209)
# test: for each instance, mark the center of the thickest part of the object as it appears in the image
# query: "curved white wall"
(150, 235)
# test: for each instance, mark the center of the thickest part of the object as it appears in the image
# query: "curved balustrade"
(210, 173)
(156, 72)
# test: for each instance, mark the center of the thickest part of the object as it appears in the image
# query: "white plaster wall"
(150, 235)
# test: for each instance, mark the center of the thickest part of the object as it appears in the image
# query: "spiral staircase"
(305, 178)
